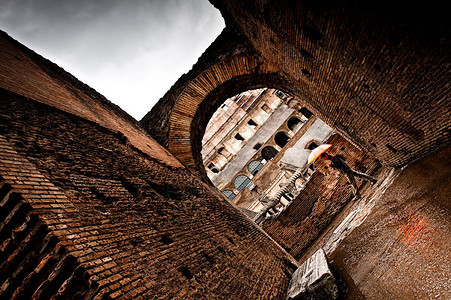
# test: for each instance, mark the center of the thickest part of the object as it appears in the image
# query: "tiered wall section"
(92, 207)
(377, 73)
(324, 196)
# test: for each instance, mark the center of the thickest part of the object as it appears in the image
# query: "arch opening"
(229, 194)
(269, 152)
(254, 166)
(307, 113)
(241, 181)
(294, 124)
(281, 139)
(230, 89)
(255, 130)
(312, 144)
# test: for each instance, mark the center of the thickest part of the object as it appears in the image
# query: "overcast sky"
(130, 51)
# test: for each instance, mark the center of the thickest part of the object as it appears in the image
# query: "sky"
(131, 51)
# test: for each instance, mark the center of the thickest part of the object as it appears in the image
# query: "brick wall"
(110, 213)
(129, 225)
(323, 197)
(93, 207)
(29, 74)
(228, 67)
(375, 72)
(157, 120)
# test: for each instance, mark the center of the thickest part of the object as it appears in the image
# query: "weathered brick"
(134, 199)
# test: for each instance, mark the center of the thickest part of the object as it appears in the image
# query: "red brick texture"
(377, 72)
(323, 197)
(26, 73)
(92, 207)
(106, 220)
(227, 68)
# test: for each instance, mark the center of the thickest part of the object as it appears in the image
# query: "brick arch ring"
(202, 96)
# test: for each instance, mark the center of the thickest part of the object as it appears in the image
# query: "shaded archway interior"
(376, 72)
(214, 100)
(366, 93)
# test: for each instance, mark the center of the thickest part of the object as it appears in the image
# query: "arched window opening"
(306, 112)
(281, 95)
(294, 124)
(312, 144)
(238, 137)
(281, 139)
(269, 152)
(213, 168)
(257, 146)
(243, 138)
(254, 166)
(241, 181)
(229, 194)
(252, 123)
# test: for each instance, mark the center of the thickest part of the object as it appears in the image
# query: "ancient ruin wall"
(227, 67)
(156, 122)
(92, 206)
(377, 73)
(323, 197)
(29, 74)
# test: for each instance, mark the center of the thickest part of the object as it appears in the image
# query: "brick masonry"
(92, 206)
(26, 73)
(127, 225)
(324, 196)
(377, 73)
(227, 68)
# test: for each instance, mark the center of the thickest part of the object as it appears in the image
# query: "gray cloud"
(130, 51)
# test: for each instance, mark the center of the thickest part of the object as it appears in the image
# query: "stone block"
(313, 280)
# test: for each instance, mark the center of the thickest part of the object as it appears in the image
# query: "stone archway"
(388, 96)
(269, 152)
(368, 104)
(294, 124)
(194, 99)
(188, 122)
(281, 139)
